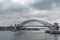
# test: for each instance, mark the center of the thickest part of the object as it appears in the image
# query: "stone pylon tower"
(56, 26)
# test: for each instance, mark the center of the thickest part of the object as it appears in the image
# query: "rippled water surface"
(28, 35)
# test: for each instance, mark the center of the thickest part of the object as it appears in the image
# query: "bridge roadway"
(34, 26)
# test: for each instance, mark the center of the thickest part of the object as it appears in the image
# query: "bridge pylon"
(56, 26)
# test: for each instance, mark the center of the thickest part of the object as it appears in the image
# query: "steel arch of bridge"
(50, 26)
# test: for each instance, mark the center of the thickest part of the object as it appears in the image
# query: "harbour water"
(28, 35)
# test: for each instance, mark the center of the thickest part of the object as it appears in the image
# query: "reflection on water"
(28, 35)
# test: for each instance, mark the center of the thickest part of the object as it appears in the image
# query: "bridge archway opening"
(35, 25)
(35, 20)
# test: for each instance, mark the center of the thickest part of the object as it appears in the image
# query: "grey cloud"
(17, 8)
(25, 11)
(19, 12)
(8, 6)
(12, 9)
(56, 1)
(45, 4)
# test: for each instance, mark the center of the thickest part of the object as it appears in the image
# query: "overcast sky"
(16, 11)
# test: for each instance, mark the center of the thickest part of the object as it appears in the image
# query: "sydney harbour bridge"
(53, 28)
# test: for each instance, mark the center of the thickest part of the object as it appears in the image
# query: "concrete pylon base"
(52, 31)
